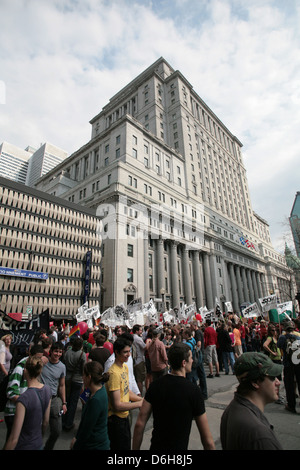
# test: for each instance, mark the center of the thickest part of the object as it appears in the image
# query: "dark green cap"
(252, 365)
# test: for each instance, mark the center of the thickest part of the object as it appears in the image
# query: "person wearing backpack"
(291, 371)
(191, 342)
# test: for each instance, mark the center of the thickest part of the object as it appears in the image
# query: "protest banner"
(268, 302)
(251, 311)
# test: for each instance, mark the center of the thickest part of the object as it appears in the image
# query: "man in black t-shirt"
(99, 353)
(174, 402)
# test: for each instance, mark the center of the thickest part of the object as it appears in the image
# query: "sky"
(62, 60)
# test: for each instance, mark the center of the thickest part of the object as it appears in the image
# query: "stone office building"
(50, 253)
(168, 179)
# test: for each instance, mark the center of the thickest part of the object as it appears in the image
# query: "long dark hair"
(95, 370)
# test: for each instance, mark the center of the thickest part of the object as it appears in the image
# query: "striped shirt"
(16, 385)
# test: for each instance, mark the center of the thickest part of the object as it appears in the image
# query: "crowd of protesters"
(109, 372)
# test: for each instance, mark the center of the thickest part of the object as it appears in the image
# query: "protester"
(99, 352)
(86, 345)
(191, 342)
(32, 411)
(5, 366)
(226, 348)
(243, 424)
(120, 398)
(167, 340)
(242, 330)
(110, 361)
(107, 344)
(148, 340)
(157, 355)
(92, 432)
(53, 374)
(46, 343)
(199, 337)
(270, 345)
(237, 340)
(210, 345)
(291, 371)
(74, 360)
(174, 402)
(139, 366)
(17, 384)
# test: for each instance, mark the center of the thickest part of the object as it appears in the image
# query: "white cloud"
(62, 60)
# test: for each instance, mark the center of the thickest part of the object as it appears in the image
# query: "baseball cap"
(252, 365)
(289, 326)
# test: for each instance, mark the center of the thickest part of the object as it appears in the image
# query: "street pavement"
(220, 393)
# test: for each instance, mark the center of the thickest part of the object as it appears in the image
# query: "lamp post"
(162, 294)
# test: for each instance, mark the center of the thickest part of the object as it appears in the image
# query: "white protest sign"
(251, 311)
(268, 302)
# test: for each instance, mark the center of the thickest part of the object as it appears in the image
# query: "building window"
(106, 148)
(129, 275)
(134, 153)
(118, 139)
(130, 250)
(150, 282)
(118, 153)
(108, 179)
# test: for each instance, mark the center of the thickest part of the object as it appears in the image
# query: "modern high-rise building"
(168, 179)
(14, 162)
(27, 166)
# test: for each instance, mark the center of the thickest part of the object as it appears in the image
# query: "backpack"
(293, 348)
(3, 397)
(195, 352)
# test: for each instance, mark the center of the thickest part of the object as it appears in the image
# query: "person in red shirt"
(243, 336)
(210, 345)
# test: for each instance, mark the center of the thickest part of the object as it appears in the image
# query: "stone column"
(239, 285)
(146, 269)
(207, 281)
(245, 285)
(235, 300)
(160, 284)
(251, 291)
(197, 280)
(254, 286)
(259, 285)
(174, 276)
(186, 277)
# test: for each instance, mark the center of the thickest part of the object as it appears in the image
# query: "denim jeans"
(72, 401)
(228, 358)
(199, 373)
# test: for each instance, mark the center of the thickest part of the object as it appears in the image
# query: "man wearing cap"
(243, 424)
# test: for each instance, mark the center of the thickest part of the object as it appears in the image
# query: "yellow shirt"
(118, 380)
